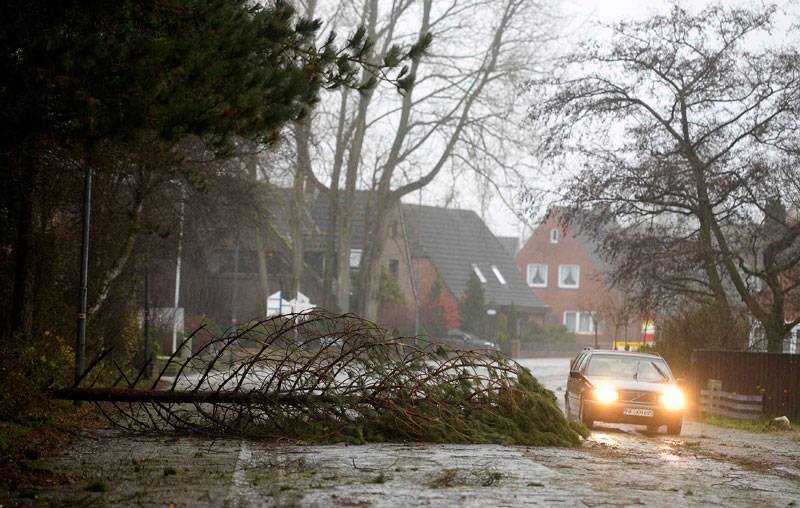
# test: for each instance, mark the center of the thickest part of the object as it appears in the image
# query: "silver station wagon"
(624, 387)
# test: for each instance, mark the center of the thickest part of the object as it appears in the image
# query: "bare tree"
(685, 135)
(393, 145)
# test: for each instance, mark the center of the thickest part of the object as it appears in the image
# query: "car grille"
(638, 397)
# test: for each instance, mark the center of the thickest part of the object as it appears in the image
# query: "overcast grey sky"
(581, 18)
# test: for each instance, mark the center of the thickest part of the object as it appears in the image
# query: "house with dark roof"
(453, 244)
(562, 266)
(510, 244)
(424, 244)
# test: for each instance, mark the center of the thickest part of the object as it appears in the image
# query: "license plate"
(635, 411)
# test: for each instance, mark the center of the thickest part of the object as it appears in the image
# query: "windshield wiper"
(660, 372)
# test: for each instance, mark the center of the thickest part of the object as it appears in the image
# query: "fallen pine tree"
(319, 377)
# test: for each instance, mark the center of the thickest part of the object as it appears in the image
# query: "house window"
(500, 278)
(569, 276)
(585, 323)
(393, 267)
(554, 235)
(479, 273)
(355, 258)
(571, 320)
(582, 323)
(537, 275)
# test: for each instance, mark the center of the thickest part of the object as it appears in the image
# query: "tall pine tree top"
(473, 306)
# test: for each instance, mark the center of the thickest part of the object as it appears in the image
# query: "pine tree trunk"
(24, 274)
(261, 244)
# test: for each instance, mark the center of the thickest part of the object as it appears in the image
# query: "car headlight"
(672, 399)
(605, 394)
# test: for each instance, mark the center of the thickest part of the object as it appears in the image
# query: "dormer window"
(479, 273)
(554, 235)
(500, 278)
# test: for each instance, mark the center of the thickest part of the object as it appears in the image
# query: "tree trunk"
(333, 205)
(344, 234)
(775, 332)
(348, 201)
(261, 244)
(263, 274)
(370, 276)
(297, 207)
(110, 276)
(24, 274)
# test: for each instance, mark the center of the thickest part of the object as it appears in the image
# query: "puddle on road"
(668, 453)
(604, 439)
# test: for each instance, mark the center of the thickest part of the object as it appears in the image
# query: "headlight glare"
(605, 394)
(672, 399)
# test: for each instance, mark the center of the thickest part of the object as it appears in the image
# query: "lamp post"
(80, 342)
(147, 353)
(235, 294)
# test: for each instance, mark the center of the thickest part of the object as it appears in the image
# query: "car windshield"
(640, 369)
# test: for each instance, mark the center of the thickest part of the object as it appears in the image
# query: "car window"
(576, 363)
(642, 369)
(582, 363)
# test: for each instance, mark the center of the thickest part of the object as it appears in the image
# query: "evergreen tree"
(512, 318)
(473, 306)
(439, 311)
(390, 291)
(501, 334)
(85, 79)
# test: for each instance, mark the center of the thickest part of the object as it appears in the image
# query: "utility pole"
(83, 289)
(178, 276)
(148, 373)
(414, 288)
(235, 293)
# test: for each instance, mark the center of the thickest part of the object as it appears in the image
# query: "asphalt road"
(618, 465)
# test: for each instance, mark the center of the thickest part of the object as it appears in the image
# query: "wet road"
(551, 372)
(619, 465)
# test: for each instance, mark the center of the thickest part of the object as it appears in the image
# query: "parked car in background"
(464, 340)
(624, 387)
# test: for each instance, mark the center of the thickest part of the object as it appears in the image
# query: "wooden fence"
(732, 405)
(774, 376)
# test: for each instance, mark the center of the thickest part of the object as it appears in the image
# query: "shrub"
(27, 369)
(700, 327)
(547, 334)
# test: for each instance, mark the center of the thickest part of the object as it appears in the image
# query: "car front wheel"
(674, 429)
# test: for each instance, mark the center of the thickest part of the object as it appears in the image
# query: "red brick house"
(562, 266)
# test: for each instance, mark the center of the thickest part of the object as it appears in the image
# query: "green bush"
(27, 369)
(548, 334)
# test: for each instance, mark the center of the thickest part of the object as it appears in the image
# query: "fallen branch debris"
(320, 377)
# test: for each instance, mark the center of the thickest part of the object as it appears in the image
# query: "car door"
(574, 384)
